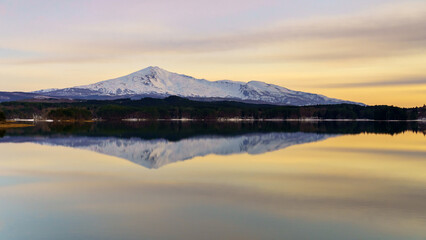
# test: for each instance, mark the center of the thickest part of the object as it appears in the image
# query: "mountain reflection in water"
(159, 152)
(155, 144)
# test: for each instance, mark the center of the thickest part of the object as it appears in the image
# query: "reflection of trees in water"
(176, 130)
(2, 133)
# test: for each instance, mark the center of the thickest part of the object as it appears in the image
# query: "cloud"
(388, 31)
(399, 31)
(400, 82)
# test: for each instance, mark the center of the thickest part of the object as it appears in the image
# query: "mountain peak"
(150, 70)
(154, 68)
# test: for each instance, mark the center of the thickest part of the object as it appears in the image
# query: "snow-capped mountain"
(157, 82)
(159, 152)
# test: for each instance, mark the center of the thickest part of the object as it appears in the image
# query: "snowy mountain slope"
(156, 82)
(159, 152)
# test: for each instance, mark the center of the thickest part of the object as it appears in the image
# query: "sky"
(370, 51)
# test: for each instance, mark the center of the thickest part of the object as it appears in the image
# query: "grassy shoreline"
(12, 124)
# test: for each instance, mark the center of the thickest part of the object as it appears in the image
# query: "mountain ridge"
(159, 83)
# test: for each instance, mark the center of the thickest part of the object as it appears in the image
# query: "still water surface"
(214, 181)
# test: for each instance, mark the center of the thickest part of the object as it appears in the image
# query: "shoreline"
(19, 121)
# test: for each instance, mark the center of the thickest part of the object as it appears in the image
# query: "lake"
(203, 180)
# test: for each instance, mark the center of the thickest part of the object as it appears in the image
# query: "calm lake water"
(331, 180)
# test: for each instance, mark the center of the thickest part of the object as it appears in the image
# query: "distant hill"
(19, 96)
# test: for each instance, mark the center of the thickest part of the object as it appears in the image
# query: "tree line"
(177, 108)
